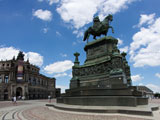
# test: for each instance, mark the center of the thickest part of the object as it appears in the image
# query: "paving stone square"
(36, 110)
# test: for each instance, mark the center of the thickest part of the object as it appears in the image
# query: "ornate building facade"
(20, 78)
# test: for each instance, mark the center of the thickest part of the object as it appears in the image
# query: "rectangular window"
(29, 81)
(6, 79)
(0, 79)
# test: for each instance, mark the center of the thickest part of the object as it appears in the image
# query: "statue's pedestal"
(104, 79)
(104, 100)
(144, 110)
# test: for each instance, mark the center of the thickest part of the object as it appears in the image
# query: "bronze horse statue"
(99, 27)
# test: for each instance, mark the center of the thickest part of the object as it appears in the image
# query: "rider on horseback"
(99, 27)
(96, 24)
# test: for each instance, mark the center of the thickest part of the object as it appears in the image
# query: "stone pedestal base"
(104, 100)
(145, 110)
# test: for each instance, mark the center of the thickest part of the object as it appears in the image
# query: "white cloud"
(7, 53)
(70, 75)
(62, 88)
(34, 58)
(60, 75)
(45, 30)
(124, 49)
(45, 15)
(141, 84)
(59, 67)
(74, 43)
(157, 75)
(81, 12)
(146, 19)
(144, 49)
(120, 42)
(153, 87)
(49, 1)
(136, 78)
(40, 0)
(52, 1)
(63, 55)
(58, 33)
(113, 6)
(79, 33)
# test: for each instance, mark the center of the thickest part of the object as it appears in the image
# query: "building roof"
(144, 88)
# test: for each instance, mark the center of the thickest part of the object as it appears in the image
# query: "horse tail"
(85, 35)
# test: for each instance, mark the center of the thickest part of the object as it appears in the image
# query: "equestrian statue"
(99, 27)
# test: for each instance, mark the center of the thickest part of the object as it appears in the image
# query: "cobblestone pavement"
(36, 110)
(9, 103)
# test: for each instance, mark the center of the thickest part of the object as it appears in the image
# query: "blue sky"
(50, 31)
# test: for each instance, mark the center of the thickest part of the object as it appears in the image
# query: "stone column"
(76, 62)
(3, 77)
(23, 90)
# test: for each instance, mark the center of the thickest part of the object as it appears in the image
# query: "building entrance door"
(5, 94)
(19, 92)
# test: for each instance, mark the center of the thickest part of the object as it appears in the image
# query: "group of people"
(14, 99)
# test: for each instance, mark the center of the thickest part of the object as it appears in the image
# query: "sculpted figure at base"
(99, 27)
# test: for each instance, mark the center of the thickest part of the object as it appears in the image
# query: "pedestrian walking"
(49, 98)
(14, 100)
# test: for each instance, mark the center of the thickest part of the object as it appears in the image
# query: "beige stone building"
(20, 78)
(146, 91)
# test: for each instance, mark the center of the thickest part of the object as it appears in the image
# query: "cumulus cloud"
(34, 58)
(141, 84)
(157, 75)
(136, 78)
(74, 43)
(49, 1)
(81, 12)
(52, 1)
(124, 49)
(45, 15)
(70, 75)
(79, 33)
(146, 19)
(58, 67)
(120, 42)
(60, 75)
(7, 53)
(153, 87)
(113, 6)
(45, 30)
(63, 88)
(145, 50)
(40, 0)
(58, 33)
(63, 55)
